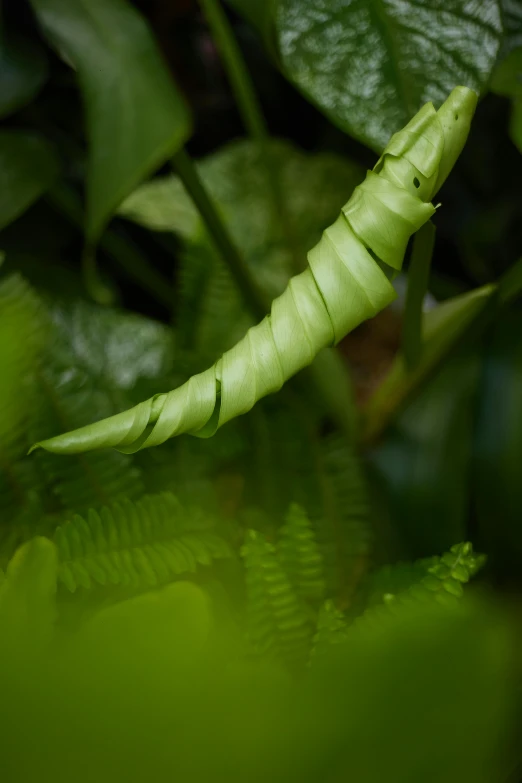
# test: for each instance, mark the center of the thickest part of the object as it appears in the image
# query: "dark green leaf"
(507, 78)
(498, 454)
(369, 65)
(512, 18)
(260, 14)
(136, 118)
(424, 460)
(515, 123)
(28, 167)
(23, 71)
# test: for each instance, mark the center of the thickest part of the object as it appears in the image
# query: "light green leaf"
(23, 71)
(136, 118)
(442, 328)
(27, 598)
(212, 316)
(118, 349)
(28, 167)
(370, 64)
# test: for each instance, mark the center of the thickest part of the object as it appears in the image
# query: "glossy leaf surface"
(369, 65)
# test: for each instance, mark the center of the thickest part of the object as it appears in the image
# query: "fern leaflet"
(277, 623)
(143, 544)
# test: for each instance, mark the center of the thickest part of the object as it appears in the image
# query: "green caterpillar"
(343, 285)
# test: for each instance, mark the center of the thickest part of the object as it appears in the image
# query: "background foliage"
(290, 596)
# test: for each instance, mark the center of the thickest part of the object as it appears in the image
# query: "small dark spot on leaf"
(416, 182)
(456, 116)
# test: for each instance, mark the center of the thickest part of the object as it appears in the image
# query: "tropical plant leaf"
(136, 118)
(27, 599)
(498, 448)
(512, 19)
(369, 65)
(23, 72)
(423, 462)
(370, 235)
(28, 167)
(211, 314)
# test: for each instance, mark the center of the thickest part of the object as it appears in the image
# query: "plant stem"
(339, 412)
(188, 174)
(495, 297)
(121, 250)
(252, 116)
(237, 72)
(418, 276)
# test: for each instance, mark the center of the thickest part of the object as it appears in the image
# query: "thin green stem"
(253, 298)
(252, 116)
(237, 72)
(418, 276)
(378, 417)
(93, 282)
(122, 251)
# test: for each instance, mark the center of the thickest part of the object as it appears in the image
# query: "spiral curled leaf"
(143, 544)
(343, 285)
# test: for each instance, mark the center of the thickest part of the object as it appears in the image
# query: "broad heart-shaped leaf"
(369, 65)
(211, 315)
(28, 167)
(118, 349)
(23, 71)
(136, 118)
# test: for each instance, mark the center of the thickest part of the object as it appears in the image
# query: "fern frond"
(142, 544)
(22, 337)
(69, 397)
(442, 584)
(276, 621)
(332, 629)
(23, 331)
(299, 554)
(396, 578)
(345, 531)
(324, 476)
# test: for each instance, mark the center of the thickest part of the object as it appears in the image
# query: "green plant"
(268, 602)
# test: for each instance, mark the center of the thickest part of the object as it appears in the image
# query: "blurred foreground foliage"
(288, 600)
